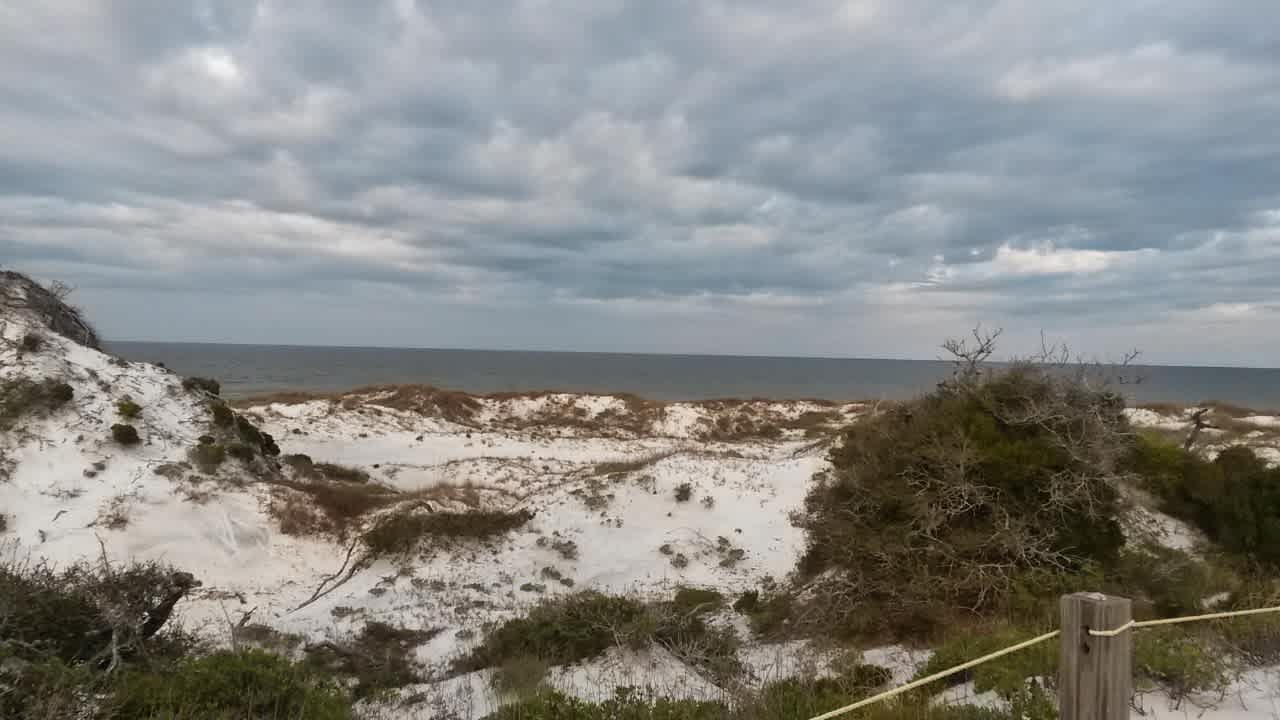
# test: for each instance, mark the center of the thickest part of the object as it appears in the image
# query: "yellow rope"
(1188, 618)
(936, 676)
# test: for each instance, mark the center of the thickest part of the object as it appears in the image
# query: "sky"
(769, 177)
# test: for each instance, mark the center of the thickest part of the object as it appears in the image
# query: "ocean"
(246, 370)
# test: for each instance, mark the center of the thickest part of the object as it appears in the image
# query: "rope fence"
(1111, 633)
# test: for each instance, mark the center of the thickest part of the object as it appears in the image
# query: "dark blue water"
(254, 369)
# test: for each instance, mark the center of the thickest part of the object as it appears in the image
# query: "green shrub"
(241, 452)
(627, 704)
(1164, 582)
(223, 416)
(692, 599)
(340, 473)
(45, 689)
(578, 627)
(251, 435)
(21, 397)
(806, 697)
(934, 507)
(401, 532)
(521, 675)
(559, 631)
(229, 686)
(207, 457)
(379, 658)
(213, 387)
(1234, 499)
(1180, 663)
(125, 434)
(32, 342)
(1007, 675)
(128, 409)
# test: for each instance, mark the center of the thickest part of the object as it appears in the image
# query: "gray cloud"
(813, 177)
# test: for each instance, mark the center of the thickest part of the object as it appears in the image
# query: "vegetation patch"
(207, 457)
(21, 397)
(222, 416)
(936, 507)
(125, 434)
(1234, 498)
(616, 467)
(128, 409)
(208, 385)
(31, 342)
(402, 532)
(311, 507)
(230, 686)
(379, 658)
(581, 626)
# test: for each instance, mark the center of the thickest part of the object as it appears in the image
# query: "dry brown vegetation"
(401, 532)
(622, 467)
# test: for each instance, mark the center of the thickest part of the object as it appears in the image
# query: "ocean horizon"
(247, 370)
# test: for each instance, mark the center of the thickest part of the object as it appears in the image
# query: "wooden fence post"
(1095, 676)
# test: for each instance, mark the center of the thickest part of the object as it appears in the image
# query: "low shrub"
(692, 599)
(319, 506)
(229, 686)
(577, 627)
(125, 434)
(1233, 499)
(684, 492)
(627, 704)
(128, 409)
(379, 658)
(559, 631)
(213, 387)
(806, 697)
(20, 397)
(241, 452)
(222, 415)
(207, 457)
(31, 342)
(1007, 676)
(401, 532)
(340, 473)
(521, 675)
(251, 435)
(935, 507)
(1179, 663)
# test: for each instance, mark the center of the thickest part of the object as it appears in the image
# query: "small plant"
(708, 502)
(22, 397)
(241, 452)
(684, 492)
(125, 434)
(568, 549)
(520, 676)
(379, 658)
(253, 683)
(1179, 663)
(222, 415)
(207, 457)
(213, 387)
(128, 409)
(401, 532)
(32, 342)
(340, 473)
(692, 599)
(680, 561)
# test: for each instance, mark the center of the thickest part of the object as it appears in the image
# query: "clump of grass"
(684, 492)
(20, 397)
(207, 457)
(313, 507)
(379, 658)
(222, 415)
(694, 599)
(581, 626)
(402, 532)
(128, 409)
(125, 434)
(32, 342)
(520, 676)
(340, 473)
(615, 467)
(213, 387)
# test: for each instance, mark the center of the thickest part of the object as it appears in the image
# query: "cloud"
(841, 177)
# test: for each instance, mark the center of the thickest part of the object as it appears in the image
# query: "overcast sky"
(779, 177)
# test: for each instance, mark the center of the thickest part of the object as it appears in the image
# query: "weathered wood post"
(1095, 676)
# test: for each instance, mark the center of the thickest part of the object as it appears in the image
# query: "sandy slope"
(70, 489)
